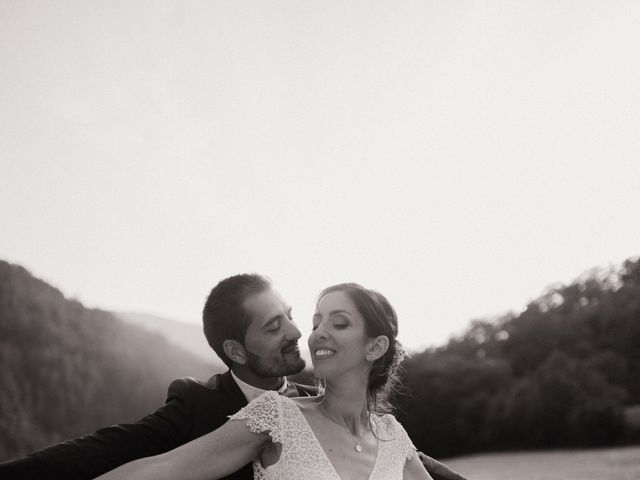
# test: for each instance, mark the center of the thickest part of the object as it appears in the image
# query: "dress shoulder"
(389, 429)
(264, 414)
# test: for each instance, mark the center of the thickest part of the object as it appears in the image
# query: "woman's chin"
(321, 371)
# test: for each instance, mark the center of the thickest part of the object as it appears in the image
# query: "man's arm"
(214, 455)
(438, 470)
(89, 456)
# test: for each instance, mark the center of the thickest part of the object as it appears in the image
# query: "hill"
(187, 336)
(562, 373)
(66, 370)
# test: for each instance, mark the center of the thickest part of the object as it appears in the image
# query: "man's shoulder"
(189, 387)
(213, 383)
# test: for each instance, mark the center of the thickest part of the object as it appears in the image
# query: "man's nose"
(292, 330)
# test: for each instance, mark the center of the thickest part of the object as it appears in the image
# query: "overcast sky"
(457, 156)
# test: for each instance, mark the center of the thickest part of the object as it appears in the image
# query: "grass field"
(601, 464)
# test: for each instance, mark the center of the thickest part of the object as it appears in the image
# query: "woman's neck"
(346, 403)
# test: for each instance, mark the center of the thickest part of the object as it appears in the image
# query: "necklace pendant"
(358, 447)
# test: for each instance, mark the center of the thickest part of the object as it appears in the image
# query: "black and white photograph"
(319, 240)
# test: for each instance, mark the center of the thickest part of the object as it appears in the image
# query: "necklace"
(358, 446)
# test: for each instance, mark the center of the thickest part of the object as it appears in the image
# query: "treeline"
(66, 370)
(558, 374)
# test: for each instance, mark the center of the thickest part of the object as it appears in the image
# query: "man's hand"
(438, 470)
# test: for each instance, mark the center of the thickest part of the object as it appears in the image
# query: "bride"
(345, 433)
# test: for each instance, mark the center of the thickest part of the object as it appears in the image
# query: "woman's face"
(338, 342)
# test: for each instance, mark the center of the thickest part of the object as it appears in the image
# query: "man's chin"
(296, 366)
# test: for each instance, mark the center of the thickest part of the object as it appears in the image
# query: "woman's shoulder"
(387, 426)
(394, 435)
(273, 400)
(262, 414)
(304, 407)
(385, 419)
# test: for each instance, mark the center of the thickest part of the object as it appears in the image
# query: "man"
(249, 326)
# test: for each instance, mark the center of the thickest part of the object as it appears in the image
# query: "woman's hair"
(379, 319)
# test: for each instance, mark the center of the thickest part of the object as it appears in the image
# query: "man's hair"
(224, 317)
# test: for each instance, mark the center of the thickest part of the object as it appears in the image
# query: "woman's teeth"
(324, 353)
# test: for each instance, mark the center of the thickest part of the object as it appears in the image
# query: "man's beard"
(274, 367)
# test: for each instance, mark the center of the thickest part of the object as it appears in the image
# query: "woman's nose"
(320, 332)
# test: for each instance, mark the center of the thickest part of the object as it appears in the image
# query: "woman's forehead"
(337, 300)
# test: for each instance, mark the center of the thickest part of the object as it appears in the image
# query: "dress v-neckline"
(324, 454)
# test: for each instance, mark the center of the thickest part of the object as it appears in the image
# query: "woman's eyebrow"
(332, 313)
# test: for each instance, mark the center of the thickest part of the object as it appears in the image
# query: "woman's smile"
(324, 353)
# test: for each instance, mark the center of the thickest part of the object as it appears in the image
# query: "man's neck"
(250, 378)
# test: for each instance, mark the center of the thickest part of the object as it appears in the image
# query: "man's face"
(271, 341)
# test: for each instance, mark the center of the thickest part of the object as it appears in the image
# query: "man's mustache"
(289, 346)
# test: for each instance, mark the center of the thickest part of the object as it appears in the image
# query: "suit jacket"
(192, 409)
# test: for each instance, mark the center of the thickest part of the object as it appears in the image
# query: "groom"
(250, 327)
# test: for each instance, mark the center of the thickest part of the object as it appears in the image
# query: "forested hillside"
(66, 370)
(188, 336)
(558, 374)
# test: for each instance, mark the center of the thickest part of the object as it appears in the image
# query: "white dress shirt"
(250, 392)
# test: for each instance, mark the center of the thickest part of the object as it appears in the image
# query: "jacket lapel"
(229, 390)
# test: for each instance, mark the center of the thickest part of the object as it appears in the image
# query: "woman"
(341, 434)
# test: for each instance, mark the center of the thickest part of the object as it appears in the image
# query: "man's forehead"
(265, 305)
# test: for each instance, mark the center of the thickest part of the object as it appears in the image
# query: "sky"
(459, 157)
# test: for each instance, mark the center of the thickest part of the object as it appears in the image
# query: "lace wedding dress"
(302, 456)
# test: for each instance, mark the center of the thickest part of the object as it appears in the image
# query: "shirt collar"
(250, 392)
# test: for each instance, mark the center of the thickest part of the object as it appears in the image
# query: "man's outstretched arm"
(89, 456)
(438, 470)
